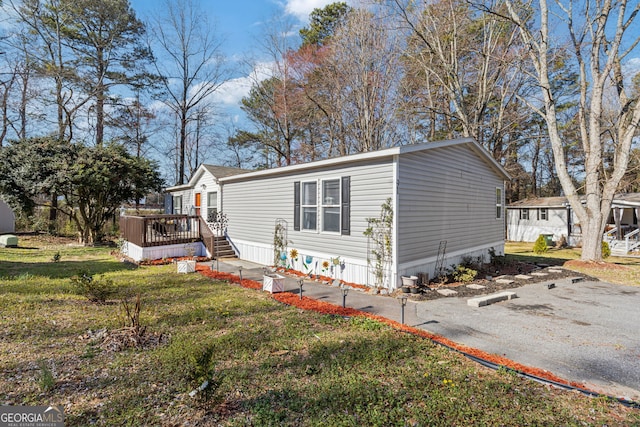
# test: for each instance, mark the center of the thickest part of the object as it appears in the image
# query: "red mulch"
(327, 308)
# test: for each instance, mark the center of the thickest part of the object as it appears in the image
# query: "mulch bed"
(492, 286)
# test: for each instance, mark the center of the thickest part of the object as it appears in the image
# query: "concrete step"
(490, 299)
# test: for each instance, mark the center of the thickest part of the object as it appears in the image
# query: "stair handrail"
(608, 235)
(627, 237)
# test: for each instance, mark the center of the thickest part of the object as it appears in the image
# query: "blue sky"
(239, 24)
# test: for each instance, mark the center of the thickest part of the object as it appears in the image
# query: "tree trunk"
(53, 215)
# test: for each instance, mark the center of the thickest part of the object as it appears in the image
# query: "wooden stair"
(218, 246)
(222, 248)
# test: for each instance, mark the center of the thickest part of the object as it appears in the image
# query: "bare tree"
(191, 62)
(464, 72)
(365, 57)
(274, 103)
(351, 84)
(45, 21)
(601, 38)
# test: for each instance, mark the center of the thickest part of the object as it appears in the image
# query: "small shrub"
(606, 250)
(471, 262)
(463, 274)
(56, 257)
(96, 290)
(540, 246)
(46, 379)
(495, 259)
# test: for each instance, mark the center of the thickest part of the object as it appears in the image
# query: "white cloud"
(632, 66)
(302, 8)
(232, 91)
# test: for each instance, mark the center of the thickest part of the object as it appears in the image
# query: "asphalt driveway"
(586, 331)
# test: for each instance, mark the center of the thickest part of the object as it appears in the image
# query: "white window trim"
(302, 206)
(500, 204)
(524, 214)
(335, 205)
(544, 217)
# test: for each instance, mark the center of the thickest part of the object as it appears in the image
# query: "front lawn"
(617, 270)
(265, 363)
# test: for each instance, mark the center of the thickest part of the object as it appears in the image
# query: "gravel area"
(494, 284)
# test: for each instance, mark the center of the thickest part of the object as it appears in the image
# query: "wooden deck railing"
(158, 230)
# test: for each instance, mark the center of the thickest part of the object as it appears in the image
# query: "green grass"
(266, 363)
(618, 270)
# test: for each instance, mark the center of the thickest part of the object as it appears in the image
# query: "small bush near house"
(540, 246)
(96, 290)
(463, 274)
(606, 250)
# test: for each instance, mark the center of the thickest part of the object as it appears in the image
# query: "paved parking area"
(587, 332)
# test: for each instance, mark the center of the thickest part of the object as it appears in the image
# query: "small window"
(543, 214)
(177, 205)
(498, 203)
(309, 205)
(331, 205)
(212, 206)
(524, 213)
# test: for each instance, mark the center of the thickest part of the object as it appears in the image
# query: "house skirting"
(351, 270)
(138, 253)
(428, 264)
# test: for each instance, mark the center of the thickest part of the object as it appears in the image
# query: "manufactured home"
(445, 202)
(202, 195)
(552, 216)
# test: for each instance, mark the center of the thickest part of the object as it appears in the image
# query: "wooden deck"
(159, 230)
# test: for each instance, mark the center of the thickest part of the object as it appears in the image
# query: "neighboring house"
(527, 219)
(443, 193)
(7, 219)
(202, 195)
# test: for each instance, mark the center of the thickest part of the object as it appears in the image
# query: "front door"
(197, 204)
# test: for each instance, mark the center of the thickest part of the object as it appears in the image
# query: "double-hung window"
(329, 202)
(177, 205)
(543, 214)
(524, 214)
(331, 205)
(309, 205)
(212, 206)
(498, 203)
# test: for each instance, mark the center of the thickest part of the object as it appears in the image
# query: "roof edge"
(388, 152)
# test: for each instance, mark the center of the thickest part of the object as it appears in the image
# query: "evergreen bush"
(606, 250)
(540, 246)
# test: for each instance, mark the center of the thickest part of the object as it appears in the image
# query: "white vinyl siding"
(273, 198)
(528, 231)
(446, 194)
